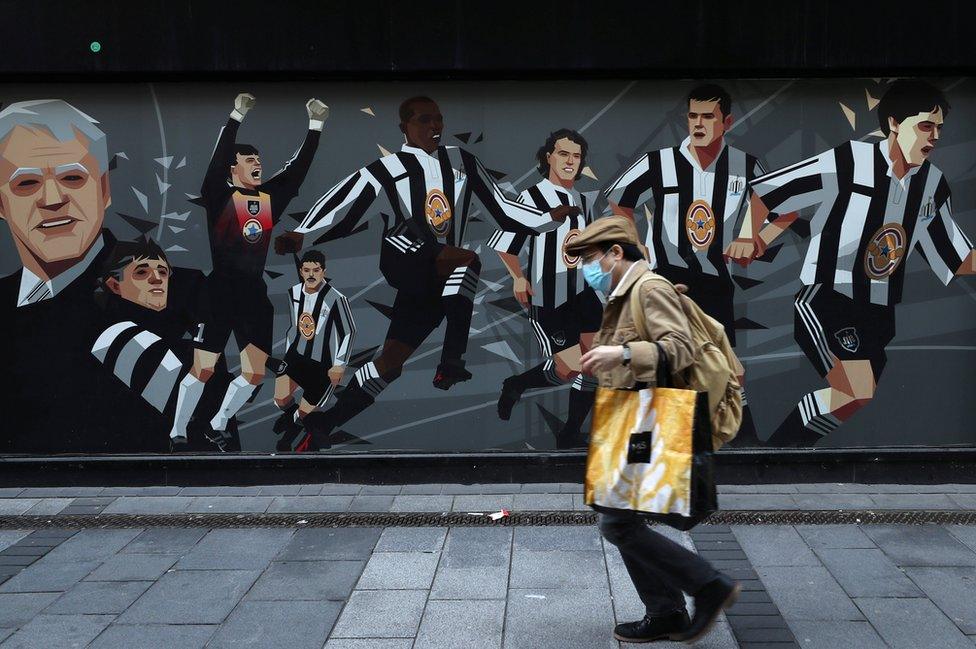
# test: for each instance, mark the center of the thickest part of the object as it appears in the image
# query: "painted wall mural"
(396, 278)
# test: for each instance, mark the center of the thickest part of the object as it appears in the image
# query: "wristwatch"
(627, 355)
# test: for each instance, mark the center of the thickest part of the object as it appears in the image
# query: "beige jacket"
(666, 323)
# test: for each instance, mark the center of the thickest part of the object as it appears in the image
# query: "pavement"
(79, 567)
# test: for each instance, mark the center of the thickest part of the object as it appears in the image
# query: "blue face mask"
(596, 277)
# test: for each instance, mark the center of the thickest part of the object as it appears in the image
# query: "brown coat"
(666, 322)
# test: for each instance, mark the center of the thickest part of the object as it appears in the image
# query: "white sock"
(238, 392)
(187, 397)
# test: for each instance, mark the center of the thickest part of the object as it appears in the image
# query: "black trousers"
(660, 568)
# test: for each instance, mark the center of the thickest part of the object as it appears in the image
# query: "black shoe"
(319, 426)
(289, 432)
(666, 627)
(793, 434)
(509, 397)
(568, 439)
(178, 445)
(449, 373)
(286, 420)
(717, 595)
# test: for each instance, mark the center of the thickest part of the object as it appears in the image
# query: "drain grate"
(456, 519)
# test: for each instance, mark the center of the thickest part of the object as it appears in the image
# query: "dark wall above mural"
(392, 275)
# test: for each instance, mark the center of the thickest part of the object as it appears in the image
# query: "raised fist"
(561, 212)
(244, 102)
(289, 242)
(744, 251)
(522, 290)
(317, 110)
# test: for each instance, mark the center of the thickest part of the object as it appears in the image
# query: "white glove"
(242, 104)
(318, 112)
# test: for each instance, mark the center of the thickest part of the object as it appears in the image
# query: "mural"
(145, 312)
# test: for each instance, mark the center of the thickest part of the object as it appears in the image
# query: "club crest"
(306, 326)
(253, 207)
(736, 185)
(885, 251)
(848, 339)
(700, 225)
(559, 337)
(438, 212)
(252, 230)
(571, 261)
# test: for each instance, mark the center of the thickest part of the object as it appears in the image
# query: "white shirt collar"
(685, 145)
(406, 148)
(616, 291)
(29, 281)
(886, 152)
(553, 187)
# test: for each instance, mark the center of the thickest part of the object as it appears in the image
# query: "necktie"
(41, 291)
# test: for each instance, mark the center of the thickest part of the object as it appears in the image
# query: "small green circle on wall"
(95, 46)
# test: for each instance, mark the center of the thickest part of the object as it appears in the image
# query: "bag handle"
(663, 378)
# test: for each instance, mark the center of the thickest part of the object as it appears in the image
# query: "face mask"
(596, 277)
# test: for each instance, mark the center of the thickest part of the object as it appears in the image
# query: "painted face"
(706, 122)
(144, 282)
(312, 275)
(53, 195)
(565, 159)
(247, 171)
(425, 126)
(917, 135)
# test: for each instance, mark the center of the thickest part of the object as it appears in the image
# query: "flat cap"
(609, 229)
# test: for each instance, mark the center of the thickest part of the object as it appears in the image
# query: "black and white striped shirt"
(429, 196)
(695, 210)
(323, 325)
(867, 221)
(555, 276)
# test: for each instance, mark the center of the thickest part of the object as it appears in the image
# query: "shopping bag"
(651, 453)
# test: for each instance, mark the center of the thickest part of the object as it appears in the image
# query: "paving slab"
(165, 540)
(381, 614)
(412, 539)
(340, 489)
(191, 597)
(421, 489)
(568, 538)
(920, 545)
(481, 489)
(58, 631)
(399, 571)
(774, 545)
(837, 634)
(9, 537)
(422, 503)
(916, 502)
(558, 570)
(461, 625)
(98, 598)
(912, 623)
(10, 492)
(750, 502)
(16, 506)
(541, 488)
(17, 609)
(483, 503)
(537, 619)
(48, 506)
(296, 625)
(148, 505)
(229, 505)
(155, 636)
(309, 504)
(48, 577)
(280, 490)
(834, 536)
(867, 573)
(240, 491)
(472, 547)
(839, 502)
(236, 549)
(952, 589)
(964, 501)
(133, 567)
(371, 504)
(321, 544)
(380, 490)
(470, 583)
(966, 534)
(369, 643)
(543, 502)
(307, 580)
(158, 490)
(808, 593)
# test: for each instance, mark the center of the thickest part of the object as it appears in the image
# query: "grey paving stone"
(17, 560)
(849, 635)
(481, 489)
(307, 580)
(58, 631)
(837, 502)
(369, 643)
(236, 549)
(295, 625)
(915, 502)
(966, 534)
(920, 545)
(326, 544)
(541, 488)
(912, 623)
(487, 503)
(808, 593)
(338, 489)
(10, 492)
(311, 504)
(133, 567)
(834, 488)
(42, 492)
(472, 547)
(6, 633)
(571, 487)
(380, 490)
(200, 491)
(399, 571)
(16, 506)
(421, 489)
(48, 506)
(579, 503)
(461, 625)
(141, 491)
(422, 503)
(17, 609)
(543, 502)
(918, 488)
(371, 504)
(240, 491)
(191, 597)
(412, 539)
(558, 570)
(98, 598)
(155, 636)
(280, 490)
(48, 577)
(964, 501)
(149, 505)
(867, 573)
(9, 537)
(229, 505)
(951, 589)
(537, 619)
(481, 582)
(541, 539)
(753, 502)
(774, 545)
(165, 540)
(834, 536)
(381, 614)
(754, 489)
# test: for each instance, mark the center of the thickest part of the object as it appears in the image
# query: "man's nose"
(51, 197)
(155, 278)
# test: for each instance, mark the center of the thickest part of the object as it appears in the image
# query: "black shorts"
(411, 269)
(713, 294)
(414, 318)
(559, 328)
(831, 327)
(238, 304)
(311, 376)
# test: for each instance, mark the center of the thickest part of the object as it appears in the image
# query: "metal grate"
(455, 519)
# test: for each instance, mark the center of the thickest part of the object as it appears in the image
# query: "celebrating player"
(875, 204)
(242, 209)
(323, 333)
(428, 188)
(564, 312)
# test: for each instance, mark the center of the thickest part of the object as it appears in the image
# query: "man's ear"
(106, 189)
(113, 285)
(892, 125)
(728, 121)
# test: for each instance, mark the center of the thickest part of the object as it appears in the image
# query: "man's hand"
(243, 103)
(317, 110)
(522, 290)
(336, 373)
(745, 251)
(602, 358)
(561, 212)
(289, 242)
